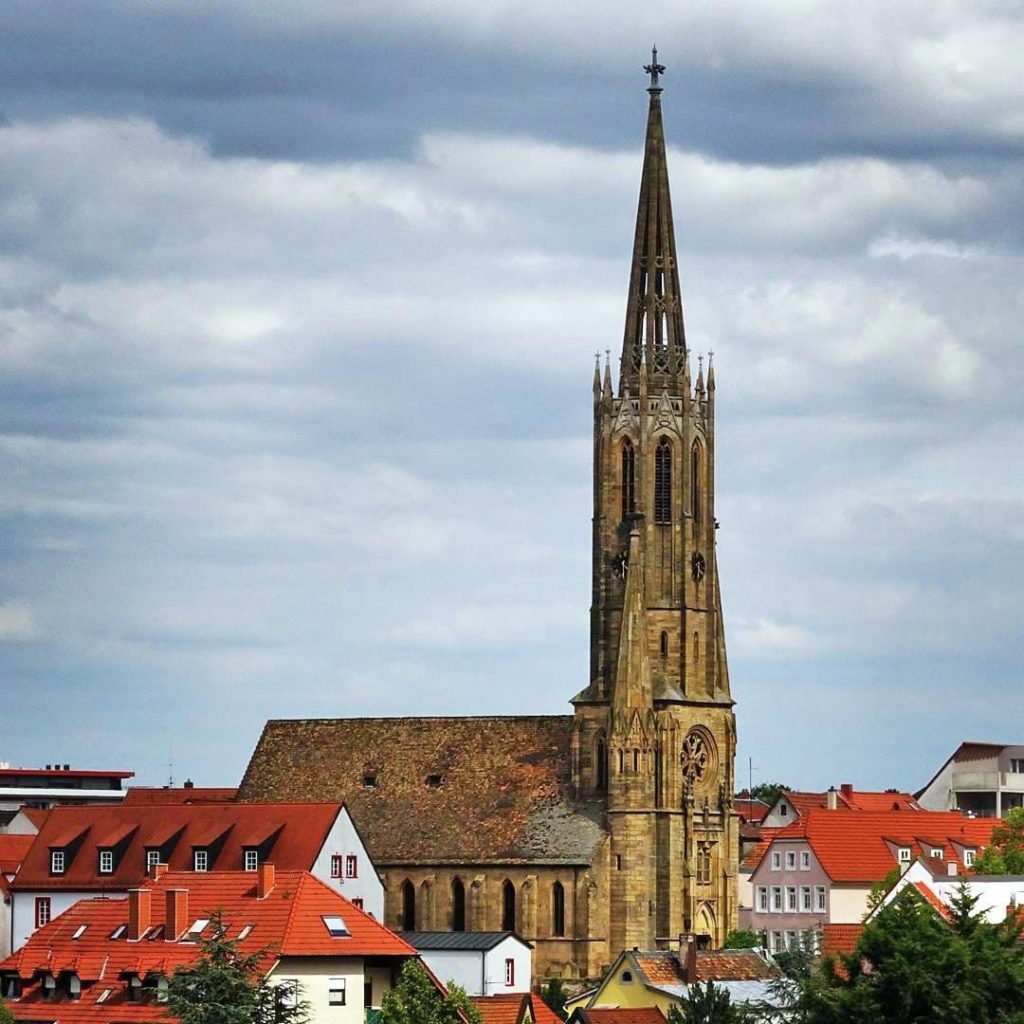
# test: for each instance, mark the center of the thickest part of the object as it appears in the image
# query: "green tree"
(553, 993)
(709, 1005)
(769, 792)
(416, 1000)
(1004, 854)
(913, 967)
(879, 890)
(6, 1017)
(226, 986)
(743, 938)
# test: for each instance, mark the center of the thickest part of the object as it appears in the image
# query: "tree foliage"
(6, 1017)
(416, 1000)
(553, 993)
(913, 967)
(709, 1005)
(743, 938)
(1004, 854)
(769, 792)
(225, 986)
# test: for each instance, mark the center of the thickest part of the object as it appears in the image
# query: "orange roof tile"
(634, 1015)
(733, 965)
(542, 1013)
(288, 921)
(175, 829)
(930, 897)
(854, 846)
(504, 1008)
(840, 938)
(12, 852)
(179, 794)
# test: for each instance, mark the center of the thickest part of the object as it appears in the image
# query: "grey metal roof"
(477, 941)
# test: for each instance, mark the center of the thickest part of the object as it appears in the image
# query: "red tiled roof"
(929, 896)
(12, 851)
(37, 815)
(179, 794)
(634, 1015)
(542, 1013)
(663, 967)
(504, 1008)
(175, 828)
(852, 800)
(60, 773)
(751, 810)
(840, 938)
(852, 846)
(286, 922)
(754, 856)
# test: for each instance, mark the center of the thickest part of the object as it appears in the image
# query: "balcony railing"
(990, 781)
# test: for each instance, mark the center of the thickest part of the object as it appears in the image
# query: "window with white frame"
(336, 992)
(252, 860)
(510, 971)
(152, 859)
(776, 860)
(42, 911)
(968, 858)
(791, 905)
(903, 854)
(200, 860)
(805, 860)
(288, 992)
(792, 940)
(335, 865)
(774, 941)
(937, 852)
(106, 862)
(57, 862)
(790, 860)
(762, 898)
(1017, 765)
(776, 899)
(819, 899)
(351, 866)
(806, 903)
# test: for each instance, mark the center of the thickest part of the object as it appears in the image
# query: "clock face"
(698, 566)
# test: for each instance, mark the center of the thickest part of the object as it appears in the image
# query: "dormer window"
(968, 858)
(74, 987)
(903, 854)
(252, 859)
(152, 859)
(57, 862)
(49, 986)
(937, 852)
(200, 859)
(106, 862)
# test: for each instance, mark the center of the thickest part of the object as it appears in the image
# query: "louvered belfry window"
(628, 479)
(663, 482)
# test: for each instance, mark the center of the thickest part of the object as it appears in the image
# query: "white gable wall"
(343, 841)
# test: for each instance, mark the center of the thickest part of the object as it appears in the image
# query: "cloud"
(18, 623)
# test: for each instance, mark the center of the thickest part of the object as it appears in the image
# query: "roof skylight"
(336, 926)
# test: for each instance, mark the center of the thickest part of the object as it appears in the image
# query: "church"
(611, 827)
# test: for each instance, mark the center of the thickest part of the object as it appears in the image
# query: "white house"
(483, 963)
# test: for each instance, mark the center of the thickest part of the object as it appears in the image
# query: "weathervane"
(654, 69)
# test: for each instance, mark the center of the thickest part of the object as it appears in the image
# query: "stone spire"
(654, 310)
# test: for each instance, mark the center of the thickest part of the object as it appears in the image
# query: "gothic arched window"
(508, 907)
(408, 906)
(557, 909)
(663, 481)
(458, 906)
(695, 495)
(628, 479)
(601, 765)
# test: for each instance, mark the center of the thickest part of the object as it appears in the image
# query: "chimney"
(156, 870)
(175, 913)
(688, 957)
(847, 790)
(264, 881)
(139, 904)
(189, 784)
(832, 798)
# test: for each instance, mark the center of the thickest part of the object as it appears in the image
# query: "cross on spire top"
(654, 69)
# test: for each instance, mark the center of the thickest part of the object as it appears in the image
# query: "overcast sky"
(298, 307)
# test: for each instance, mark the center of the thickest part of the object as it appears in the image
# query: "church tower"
(654, 732)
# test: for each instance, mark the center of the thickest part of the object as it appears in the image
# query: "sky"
(298, 311)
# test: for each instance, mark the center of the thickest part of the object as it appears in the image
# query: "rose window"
(696, 757)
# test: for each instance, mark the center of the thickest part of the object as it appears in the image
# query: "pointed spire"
(633, 693)
(607, 373)
(700, 375)
(597, 374)
(654, 311)
(711, 370)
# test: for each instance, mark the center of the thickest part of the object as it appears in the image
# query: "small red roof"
(515, 1008)
(288, 921)
(857, 846)
(632, 1015)
(840, 938)
(173, 829)
(12, 851)
(930, 897)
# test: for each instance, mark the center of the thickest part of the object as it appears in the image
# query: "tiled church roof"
(436, 790)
